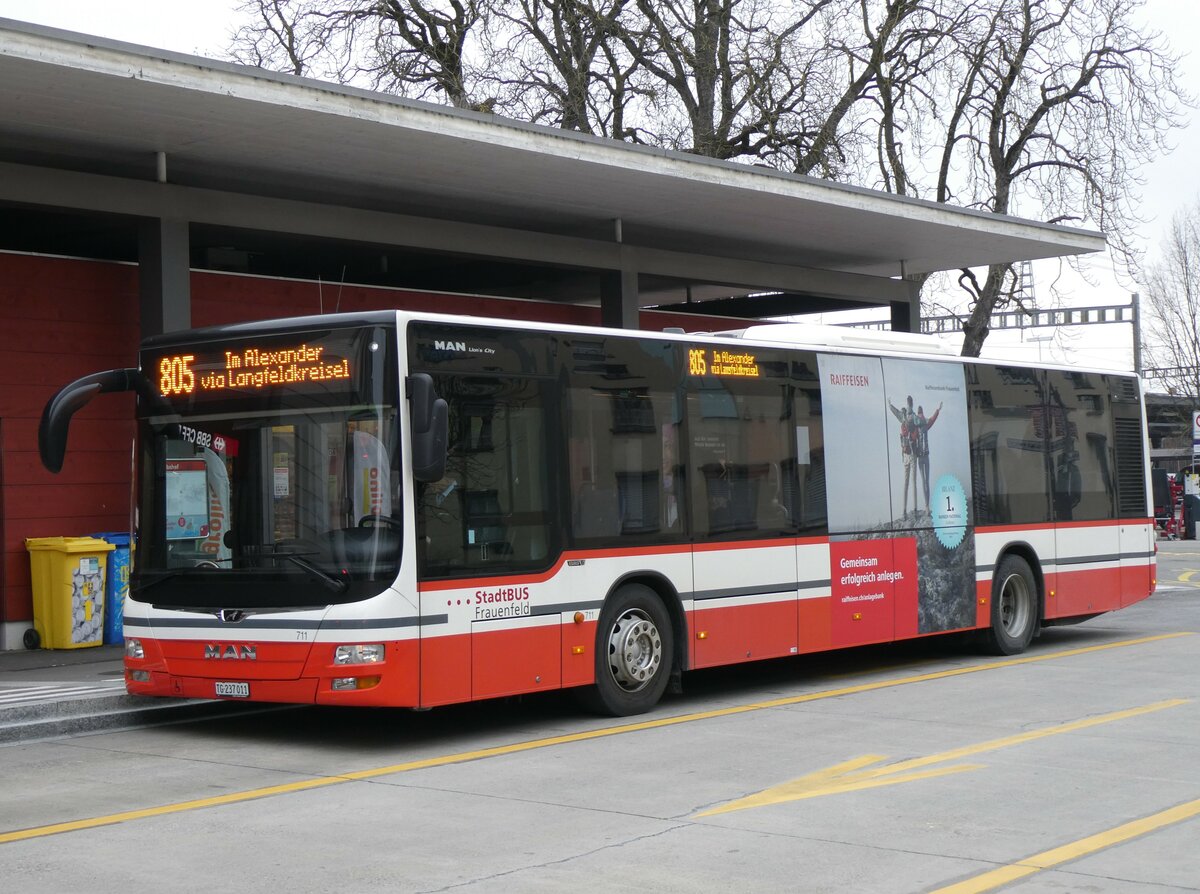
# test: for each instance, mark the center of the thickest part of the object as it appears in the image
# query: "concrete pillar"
(619, 306)
(906, 315)
(164, 276)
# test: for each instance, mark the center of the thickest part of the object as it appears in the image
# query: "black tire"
(635, 647)
(1014, 607)
(32, 639)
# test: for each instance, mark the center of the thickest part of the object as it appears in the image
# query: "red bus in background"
(411, 510)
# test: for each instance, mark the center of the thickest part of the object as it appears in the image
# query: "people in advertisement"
(908, 441)
(922, 449)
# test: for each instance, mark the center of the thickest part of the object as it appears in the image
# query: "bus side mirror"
(56, 416)
(430, 422)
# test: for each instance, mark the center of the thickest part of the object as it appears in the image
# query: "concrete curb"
(107, 713)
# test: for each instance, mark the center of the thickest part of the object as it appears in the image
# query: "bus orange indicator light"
(577, 650)
(701, 634)
(857, 616)
(578, 619)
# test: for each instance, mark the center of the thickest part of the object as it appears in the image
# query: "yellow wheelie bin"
(68, 591)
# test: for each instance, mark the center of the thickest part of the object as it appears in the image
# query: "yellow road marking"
(996, 878)
(518, 747)
(850, 775)
(181, 807)
(1186, 576)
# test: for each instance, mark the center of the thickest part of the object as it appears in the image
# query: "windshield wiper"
(329, 581)
(155, 581)
(174, 572)
(335, 584)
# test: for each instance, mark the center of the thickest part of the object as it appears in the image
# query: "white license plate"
(233, 690)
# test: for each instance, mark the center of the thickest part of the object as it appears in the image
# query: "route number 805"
(176, 375)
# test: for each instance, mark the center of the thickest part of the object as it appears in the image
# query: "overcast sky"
(203, 27)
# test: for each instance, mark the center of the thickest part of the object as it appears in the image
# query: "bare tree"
(716, 69)
(1171, 308)
(1046, 108)
(273, 38)
(415, 48)
(559, 65)
(884, 49)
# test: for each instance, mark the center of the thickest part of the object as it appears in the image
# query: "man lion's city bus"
(411, 510)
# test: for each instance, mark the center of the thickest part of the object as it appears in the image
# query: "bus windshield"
(274, 482)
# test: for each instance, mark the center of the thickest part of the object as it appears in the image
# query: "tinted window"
(808, 510)
(492, 510)
(1009, 424)
(755, 457)
(1081, 452)
(624, 415)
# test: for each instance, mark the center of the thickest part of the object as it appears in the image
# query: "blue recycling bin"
(116, 586)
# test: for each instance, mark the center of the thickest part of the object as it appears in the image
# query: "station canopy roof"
(93, 123)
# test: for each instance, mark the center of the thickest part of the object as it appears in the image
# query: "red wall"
(61, 319)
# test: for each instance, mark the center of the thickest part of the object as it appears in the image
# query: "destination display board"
(319, 366)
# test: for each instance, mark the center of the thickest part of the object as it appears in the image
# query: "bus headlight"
(370, 653)
(133, 648)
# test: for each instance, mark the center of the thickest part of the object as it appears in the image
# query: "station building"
(144, 191)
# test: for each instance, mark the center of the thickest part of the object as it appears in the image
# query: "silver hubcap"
(635, 650)
(1015, 605)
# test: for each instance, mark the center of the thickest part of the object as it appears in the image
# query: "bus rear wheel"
(634, 648)
(1014, 607)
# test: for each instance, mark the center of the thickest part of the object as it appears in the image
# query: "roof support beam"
(164, 276)
(47, 187)
(619, 298)
(906, 315)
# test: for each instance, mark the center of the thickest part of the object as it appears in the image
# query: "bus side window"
(741, 448)
(1081, 446)
(493, 506)
(1009, 425)
(805, 475)
(623, 422)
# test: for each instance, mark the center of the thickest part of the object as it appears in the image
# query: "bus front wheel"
(634, 648)
(1014, 607)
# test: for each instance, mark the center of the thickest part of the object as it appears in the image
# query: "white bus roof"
(842, 337)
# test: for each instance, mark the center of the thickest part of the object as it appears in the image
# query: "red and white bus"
(412, 510)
